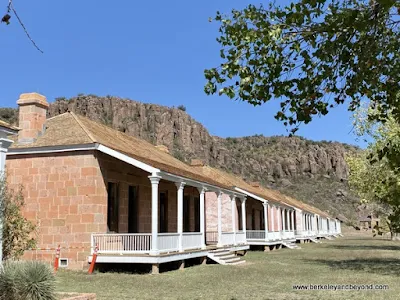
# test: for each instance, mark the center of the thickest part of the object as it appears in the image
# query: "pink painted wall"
(211, 203)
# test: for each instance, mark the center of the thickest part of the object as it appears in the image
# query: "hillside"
(314, 172)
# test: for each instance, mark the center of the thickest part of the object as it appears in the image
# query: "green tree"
(375, 172)
(17, 230)
(311, 55)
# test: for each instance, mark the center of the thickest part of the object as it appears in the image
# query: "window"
(113, 203)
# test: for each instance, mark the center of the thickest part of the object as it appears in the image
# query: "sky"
(149, 51)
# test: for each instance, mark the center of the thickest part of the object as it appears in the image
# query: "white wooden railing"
(255, 234)
(240, 237)
(274, 235)
(227, 238)
(323, 232)
(118, 243)
(192, 240)
(168, 242)
(211, 237)
(287, 235)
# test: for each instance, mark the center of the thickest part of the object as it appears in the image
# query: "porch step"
(340, 234)
(314, 240)
(290, 245)
(328, 237)
(225, 257)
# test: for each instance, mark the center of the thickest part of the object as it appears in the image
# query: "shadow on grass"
(364, 247)
(381, 266)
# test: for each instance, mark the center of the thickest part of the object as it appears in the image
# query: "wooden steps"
(290, 245)
(314, 240)
(225, 257)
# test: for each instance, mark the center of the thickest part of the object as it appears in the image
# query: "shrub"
(31, 280)
(17, 229)
(182, 107)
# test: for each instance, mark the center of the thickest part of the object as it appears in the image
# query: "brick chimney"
(197, 163)
(32, 117)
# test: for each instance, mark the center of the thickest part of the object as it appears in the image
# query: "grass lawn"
(354, 259)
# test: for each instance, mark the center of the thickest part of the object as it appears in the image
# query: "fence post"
(94, 257)
(56, 261)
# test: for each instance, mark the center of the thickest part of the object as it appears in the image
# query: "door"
(196, 214)
(253, 219)
(163, 213)
(186, 213)
(262, 223)
(112, 209)
(133, 213)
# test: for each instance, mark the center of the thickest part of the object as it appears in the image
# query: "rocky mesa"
(314, 172)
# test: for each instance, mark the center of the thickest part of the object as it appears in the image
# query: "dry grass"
(355, 259)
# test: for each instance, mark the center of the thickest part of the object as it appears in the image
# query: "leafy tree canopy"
(311, 55)
(375, 172)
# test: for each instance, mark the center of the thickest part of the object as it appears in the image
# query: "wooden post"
(204, 260)
(56, 261)
(182, 264)
(155, 269)
(266, 249)
(154, 214)
(94, 258)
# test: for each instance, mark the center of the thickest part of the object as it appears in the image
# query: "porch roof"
(262, 192)
(69, 129)
(9, 128)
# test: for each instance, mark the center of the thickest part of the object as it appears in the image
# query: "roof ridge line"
(83, 127)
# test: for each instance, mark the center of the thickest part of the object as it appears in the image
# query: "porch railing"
(192, 240)
(240, 237)
(287, 235)
(117, 243)
(274, 235)
(227, 238)
(255, 234)
(211, 237)
(168, 242)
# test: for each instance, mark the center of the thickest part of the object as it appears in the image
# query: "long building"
(91, 188)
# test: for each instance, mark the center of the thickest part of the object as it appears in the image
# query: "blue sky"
(150, 51)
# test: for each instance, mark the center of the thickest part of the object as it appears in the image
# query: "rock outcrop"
(315, 172)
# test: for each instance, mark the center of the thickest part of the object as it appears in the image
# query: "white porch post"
(273, 211)
(244, 215)
(202, 193)
(284, 219)
(265, 204)
(180, 186)
(154, 213)
(233, 209)
(292, 219)
(4, 145)
(279, 218)
(287, 219)
(219, 200)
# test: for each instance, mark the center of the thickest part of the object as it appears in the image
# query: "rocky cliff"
(315, 172)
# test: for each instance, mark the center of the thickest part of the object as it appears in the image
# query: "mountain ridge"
(312, 171)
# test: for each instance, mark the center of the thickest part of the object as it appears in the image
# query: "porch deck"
(260, 237)
(136, 248)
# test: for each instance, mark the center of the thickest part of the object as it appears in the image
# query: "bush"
(182, 107)
(27, 280)
(17, 230)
